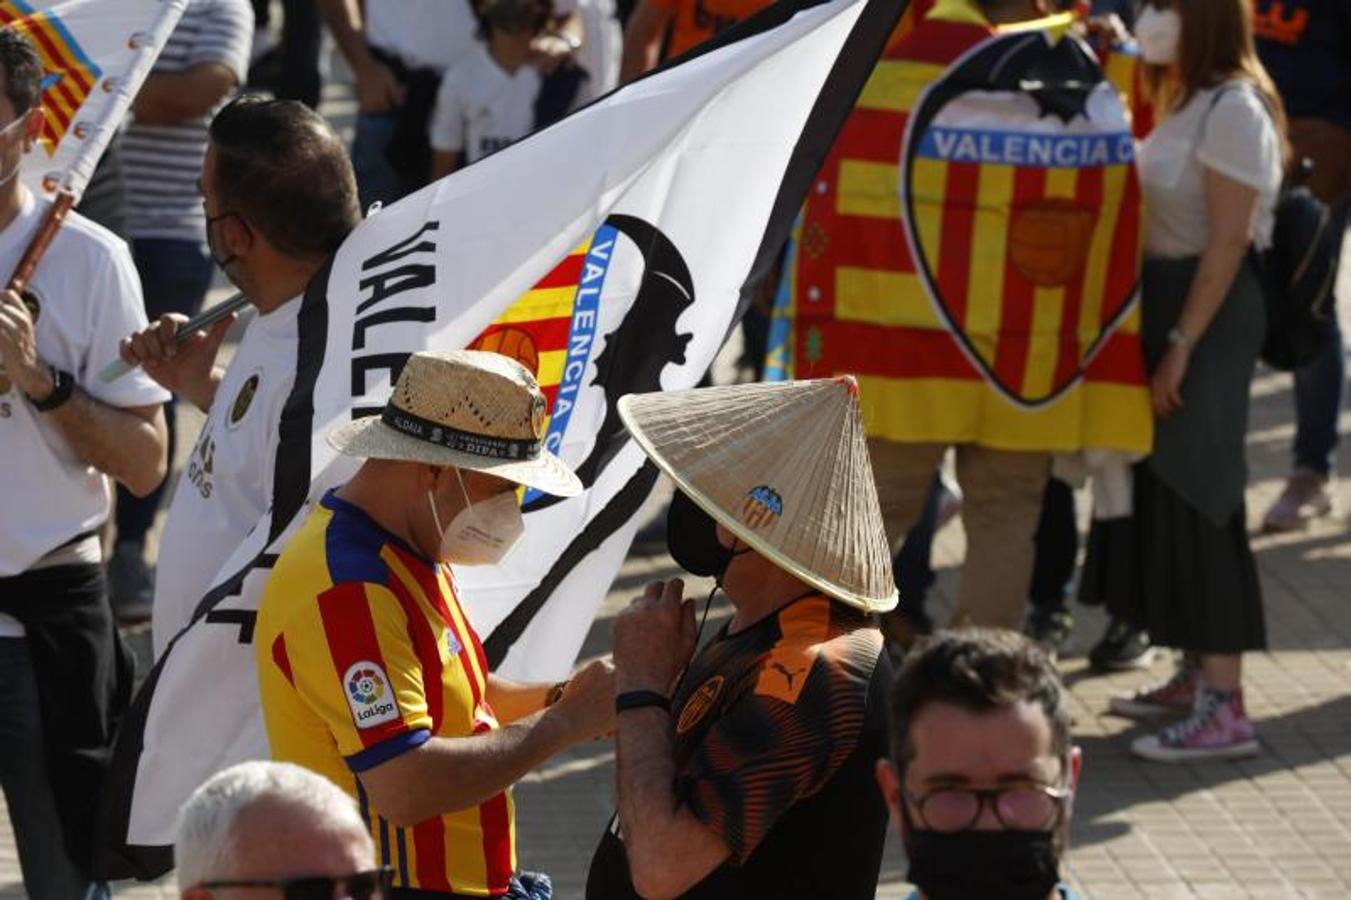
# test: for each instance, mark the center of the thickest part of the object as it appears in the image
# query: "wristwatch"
(1177, 338)
(63, 386)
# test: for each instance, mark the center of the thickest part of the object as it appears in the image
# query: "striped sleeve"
(774, 747)
(361, 675)
(224, 35)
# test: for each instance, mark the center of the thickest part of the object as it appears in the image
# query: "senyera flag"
(633, 234)
(95, 54)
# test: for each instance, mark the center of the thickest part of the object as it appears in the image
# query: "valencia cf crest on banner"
(1016, 167)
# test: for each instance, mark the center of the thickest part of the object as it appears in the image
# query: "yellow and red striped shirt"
(363, 654)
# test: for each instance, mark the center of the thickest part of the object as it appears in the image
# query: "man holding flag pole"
(279, 196)
(63, 432)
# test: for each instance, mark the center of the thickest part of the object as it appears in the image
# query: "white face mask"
(1158, 33)
(481, 533)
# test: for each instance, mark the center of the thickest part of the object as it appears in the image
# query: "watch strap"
(63, 386)
(640, 699)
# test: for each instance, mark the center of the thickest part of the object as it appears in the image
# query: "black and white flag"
(653, 214)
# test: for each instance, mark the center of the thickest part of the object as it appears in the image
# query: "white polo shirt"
(481, 107)
(423, 34)
(88, 298)
(226, 485)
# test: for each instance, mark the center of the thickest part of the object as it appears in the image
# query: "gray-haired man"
(274, 825)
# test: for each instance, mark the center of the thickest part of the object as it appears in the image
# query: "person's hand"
(378, 90)
(654, 638)
(1165, 387)
(19, 349)
(548, 52)
(184, 369)
(588, 700)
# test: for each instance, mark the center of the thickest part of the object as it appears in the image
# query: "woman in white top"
(1210, 173)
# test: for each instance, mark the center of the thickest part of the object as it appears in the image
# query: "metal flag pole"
(200, 322)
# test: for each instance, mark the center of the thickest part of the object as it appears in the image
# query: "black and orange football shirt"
(777, 731)
(363, 653)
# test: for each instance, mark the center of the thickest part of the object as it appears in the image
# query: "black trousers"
(84, 680)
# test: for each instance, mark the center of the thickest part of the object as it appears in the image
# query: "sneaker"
(1218, 728)
(1122, 648)
(1049, 629)
(1307, 496)
(131, 584)
(1176, 695)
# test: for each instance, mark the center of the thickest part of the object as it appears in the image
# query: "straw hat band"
(442, 435)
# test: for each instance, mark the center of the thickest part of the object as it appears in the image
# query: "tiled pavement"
(1273, 827)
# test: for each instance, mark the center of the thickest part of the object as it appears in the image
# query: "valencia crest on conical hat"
(783, 466)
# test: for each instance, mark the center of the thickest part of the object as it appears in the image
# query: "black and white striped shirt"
(163, 162)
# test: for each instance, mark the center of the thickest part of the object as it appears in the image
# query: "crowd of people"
(766, 761)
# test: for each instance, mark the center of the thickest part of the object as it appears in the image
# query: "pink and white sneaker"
(1218, 728)
(1176, 695)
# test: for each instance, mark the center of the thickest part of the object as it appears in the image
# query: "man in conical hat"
(750, 774)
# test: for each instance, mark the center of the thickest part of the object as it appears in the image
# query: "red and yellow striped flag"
(971, 247)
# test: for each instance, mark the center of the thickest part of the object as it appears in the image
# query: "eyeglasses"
(372, 885)
(1023, 807)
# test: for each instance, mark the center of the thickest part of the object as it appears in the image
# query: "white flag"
(679, 189)
(95, 54)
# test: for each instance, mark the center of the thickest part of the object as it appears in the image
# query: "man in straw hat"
(751, 775)
(369, 671)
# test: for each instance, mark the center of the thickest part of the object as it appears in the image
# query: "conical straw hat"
(783, 466)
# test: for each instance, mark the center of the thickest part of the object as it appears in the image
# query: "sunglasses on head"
(372, 885)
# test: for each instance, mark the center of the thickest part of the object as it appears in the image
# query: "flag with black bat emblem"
(971, 248)
(611, 253)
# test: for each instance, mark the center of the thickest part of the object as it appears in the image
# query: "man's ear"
(889, 783)
(237, 235)
(1076, 768)
(32, 130)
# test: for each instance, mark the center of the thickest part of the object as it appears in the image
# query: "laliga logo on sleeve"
(369, 695)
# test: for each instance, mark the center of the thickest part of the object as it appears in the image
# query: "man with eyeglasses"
(275, 830)
(982, 770)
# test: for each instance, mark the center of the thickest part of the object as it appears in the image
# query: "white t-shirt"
(226, 485)
(423, 34)
(1234, 136)
(482, 108)
(89, 298)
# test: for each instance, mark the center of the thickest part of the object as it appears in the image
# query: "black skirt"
(1190, 583)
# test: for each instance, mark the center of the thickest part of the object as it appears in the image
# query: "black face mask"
(222, 264)
(975, 865)
(692, 538)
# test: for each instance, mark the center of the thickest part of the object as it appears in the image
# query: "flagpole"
(37, 248)
(75, 178)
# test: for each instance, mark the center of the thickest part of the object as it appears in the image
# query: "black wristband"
(63, 385)
(639, 699)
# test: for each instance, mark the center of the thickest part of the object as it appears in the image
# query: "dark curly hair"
(976, 669)
(23, 70)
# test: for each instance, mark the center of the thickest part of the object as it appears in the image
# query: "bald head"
(268, 821)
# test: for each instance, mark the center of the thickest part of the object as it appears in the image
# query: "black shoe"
(1050, 628)
(131, 584)
(1123, 647)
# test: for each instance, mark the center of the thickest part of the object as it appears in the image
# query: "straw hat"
(785, 468)
(469, 409)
